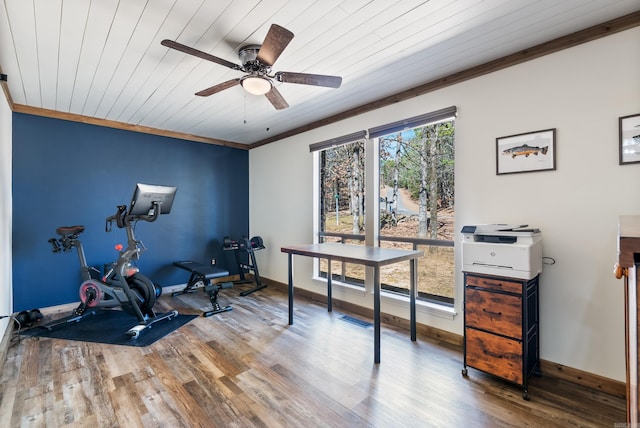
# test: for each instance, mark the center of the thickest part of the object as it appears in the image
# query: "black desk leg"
(413, 271)
(290, 288)
(329, 299)
(376, 315)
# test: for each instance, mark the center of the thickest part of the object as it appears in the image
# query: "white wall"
(581, 92)
(6, 296)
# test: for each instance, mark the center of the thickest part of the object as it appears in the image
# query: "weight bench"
(201, 273)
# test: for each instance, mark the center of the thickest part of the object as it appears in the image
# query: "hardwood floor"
(247, 368)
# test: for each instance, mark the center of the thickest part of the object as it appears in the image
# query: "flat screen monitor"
(146, 194)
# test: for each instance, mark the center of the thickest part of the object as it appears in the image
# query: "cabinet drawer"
(494, 354)
(497, 284)
(495, 312)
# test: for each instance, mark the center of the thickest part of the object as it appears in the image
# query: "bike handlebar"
(123, 219)
(118, 217)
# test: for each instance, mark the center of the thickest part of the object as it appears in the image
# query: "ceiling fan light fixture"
(256, 85)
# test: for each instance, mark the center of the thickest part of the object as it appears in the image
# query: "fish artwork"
(525, 150)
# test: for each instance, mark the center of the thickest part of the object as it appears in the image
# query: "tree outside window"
(416, 195)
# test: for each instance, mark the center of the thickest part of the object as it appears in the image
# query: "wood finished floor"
(248, 368)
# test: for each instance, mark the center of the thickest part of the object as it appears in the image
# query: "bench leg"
(194, 282)
(212, 290)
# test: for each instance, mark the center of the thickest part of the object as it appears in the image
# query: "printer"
(503, 250)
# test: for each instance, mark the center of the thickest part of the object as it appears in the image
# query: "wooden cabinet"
(501, 332)
(628, 267)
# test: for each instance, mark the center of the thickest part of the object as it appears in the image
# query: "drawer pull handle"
(491, 312)
(497, 284)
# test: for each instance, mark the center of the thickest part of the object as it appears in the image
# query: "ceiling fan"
(256, 63)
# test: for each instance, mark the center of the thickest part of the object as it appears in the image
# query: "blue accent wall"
(68, 173)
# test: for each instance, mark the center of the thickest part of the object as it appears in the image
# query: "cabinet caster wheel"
(465, 372)
(525, 395)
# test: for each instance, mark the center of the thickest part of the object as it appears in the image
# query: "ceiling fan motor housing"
(249, 59)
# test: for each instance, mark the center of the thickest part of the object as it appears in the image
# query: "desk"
(368, 256)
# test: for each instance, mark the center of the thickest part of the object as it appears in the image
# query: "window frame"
(372, 235)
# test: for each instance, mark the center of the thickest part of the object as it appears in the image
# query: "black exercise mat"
(109, 326)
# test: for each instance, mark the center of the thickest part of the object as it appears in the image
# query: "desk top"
(359, 254)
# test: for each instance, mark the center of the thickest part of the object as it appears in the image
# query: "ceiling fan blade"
(275, 97)
(219, 87)
(195, 52)
(309, 79)
(277, 39)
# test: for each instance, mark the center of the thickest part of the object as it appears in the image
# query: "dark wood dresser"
(501, 331)
(627, 268)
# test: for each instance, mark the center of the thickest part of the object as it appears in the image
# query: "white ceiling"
(103, 58)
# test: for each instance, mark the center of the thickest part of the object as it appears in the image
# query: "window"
(417, 205)
(342, 193)
(413, 172)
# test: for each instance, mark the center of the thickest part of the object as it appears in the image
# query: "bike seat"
(69, 230)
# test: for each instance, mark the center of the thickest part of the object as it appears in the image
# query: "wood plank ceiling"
(103, 59)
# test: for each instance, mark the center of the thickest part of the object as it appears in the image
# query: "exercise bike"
(122, 285)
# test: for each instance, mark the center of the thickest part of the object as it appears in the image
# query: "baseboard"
(586, 379)
(173, 288)
(548, 368)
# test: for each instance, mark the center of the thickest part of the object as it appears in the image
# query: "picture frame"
(527, 152)
(629, 130)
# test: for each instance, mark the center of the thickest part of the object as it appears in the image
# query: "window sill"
(393, 299)
(429, 308)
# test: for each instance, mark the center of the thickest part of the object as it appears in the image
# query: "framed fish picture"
(629, 139)
(531, 151)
